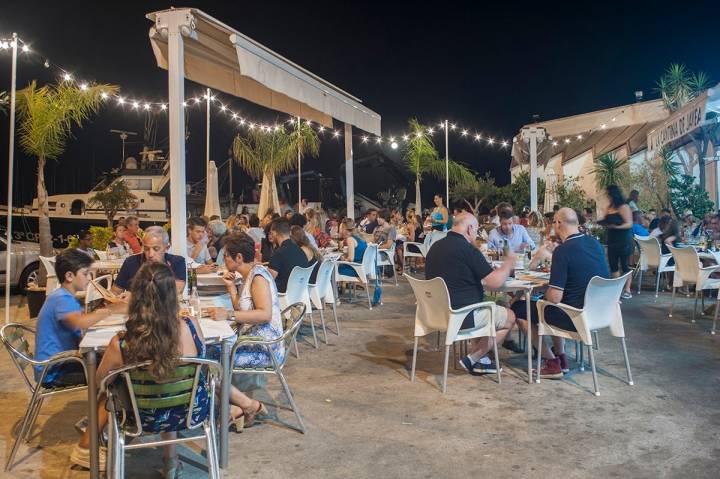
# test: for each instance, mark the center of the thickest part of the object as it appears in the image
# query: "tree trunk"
(418, 206)
(46, 242)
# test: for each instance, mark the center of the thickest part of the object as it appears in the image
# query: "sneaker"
(551, 369)
(81, 457)
(626, 295)
(564, 364)
(489, 368)
(467, 364)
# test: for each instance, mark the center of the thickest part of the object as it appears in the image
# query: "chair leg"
(627, 362)
(21, 432)
(692, 320)
(212, 456)
(596, 341)
(497, 359)
(322, 323)
(539, 358)
(412, 371)
(672, 301)
(702, 302)
(297, 351)
(289, 395)
(394, 273)
(367, 291)
(312, 327)
(717, 308)
(582, 356)
(594, 373)
(33, 418)
(657, 283)
(445, 369)
(120, 457)
(640, 281)
(337, 325)
(437, 347)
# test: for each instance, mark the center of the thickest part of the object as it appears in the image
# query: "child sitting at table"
(61, 320)
(154, 332)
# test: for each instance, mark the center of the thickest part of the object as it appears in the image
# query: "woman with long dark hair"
(618, 220)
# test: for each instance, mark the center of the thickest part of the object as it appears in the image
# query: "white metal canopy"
(191, 44)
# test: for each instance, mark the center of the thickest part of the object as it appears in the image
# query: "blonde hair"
(536, 220)
(348, 224)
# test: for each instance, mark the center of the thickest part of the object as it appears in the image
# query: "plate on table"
(215, 279)
(112, 320)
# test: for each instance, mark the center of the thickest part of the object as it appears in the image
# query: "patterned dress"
(256, 356)
(174, 418)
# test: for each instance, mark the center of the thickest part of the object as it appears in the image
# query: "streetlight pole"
(299, 169)
(533, 136)
(11, 162)
(447, 168)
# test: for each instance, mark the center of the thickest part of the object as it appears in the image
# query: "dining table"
(97, 338)
(111, 265)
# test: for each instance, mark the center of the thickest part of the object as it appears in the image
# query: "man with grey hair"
(464, 269)
(132, 229)
(155, 243)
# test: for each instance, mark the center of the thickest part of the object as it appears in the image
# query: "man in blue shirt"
(155, 243)
(61, 319)
(516, 235)
(574, 263)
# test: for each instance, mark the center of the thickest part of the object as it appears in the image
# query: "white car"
(24, 263)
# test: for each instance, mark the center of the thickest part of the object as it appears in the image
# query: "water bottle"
(195, 302)
(505, 248)
(526, 259)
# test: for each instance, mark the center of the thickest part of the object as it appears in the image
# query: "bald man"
(575, 261)
(462, 266)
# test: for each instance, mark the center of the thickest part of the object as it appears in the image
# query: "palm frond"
(610, 170)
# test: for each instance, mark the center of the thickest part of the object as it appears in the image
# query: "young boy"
(61, 319)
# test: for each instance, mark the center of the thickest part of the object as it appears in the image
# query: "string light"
(67, 77)
(83, 86)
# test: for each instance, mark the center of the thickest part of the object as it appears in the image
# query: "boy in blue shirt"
(61, 319)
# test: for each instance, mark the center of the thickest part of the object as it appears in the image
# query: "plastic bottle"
(195, 302)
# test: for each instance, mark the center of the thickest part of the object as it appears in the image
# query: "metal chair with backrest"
(92, 293)
(651, 257)
(293, 318)
(386, 257)
(14, 337)
(298, 291)
(688, 271)
(132, 392)
(366, 270)
(601, 310)
(322, 288)
(435, 314)
(52, 283)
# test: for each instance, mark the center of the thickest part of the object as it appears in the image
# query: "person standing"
(618, 220)
(633, 199)
(439, 214)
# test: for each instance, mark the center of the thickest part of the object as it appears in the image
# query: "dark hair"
(280, 226)
(297, 220)
(119, 224)
(636, 216)
(588, 210)
(616, 196)
(506, 214)
(214, 217)
(196, 221)
(240, 244)
(254, 221)
(666, 210)
(634, 194)
(82, 234)
(297, 234)
(152, 329)
(384, 214)
(556, 207)
(70, 261)
(370, 210)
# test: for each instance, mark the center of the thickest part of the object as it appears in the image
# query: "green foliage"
(678, 86)
(610, 170)
(422, 158)
(570, 194)
(687, 195)
(101, 237)
(114, 198)
(517, 193)
(474, 192)
(4, 101)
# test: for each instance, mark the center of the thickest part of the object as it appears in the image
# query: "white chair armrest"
(574, 314)
(570, 310)
(472, 307)
(357, 267)
(704, 274)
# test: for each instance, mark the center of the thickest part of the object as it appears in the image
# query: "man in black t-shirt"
(286, 256)
(464, 269)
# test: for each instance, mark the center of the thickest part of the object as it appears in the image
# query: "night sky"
(486, 67)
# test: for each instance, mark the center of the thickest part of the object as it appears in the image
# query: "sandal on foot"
(238, 422)
(250, 415)
(172, 468)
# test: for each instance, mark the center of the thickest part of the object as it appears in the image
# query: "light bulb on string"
(378, 140)
(452, 127)
(184, 103)
(364, 139)
(146, 106)
(25, 48)
(464, 133)
(163, 106)
(121, 100)
(336, 134)
(394, 145)
(405, 137)
(321, 129)
(478, 137)
(135, 105)
(104, 95)
(67, 77)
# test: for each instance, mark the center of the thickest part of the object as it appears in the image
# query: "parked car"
(24, 263)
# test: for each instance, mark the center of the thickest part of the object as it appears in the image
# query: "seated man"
(286, 256)
(155, 246)
(197, 245)
(385, 232)
(61, 319)
(464, 270)
(574, 262)
(516, 236)
(85, 241)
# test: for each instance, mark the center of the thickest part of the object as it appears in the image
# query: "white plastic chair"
(102, 255)
(298, 292)
(601, 310)
(52, 282)
(92, 293)
(386, 257)
(688, 271)
(651, 257)
(365, 271)
(434, 314)
(321, 289)
(430, 238)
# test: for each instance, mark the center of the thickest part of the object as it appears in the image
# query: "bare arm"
(78, 320)
(112, 359)
(553, 295)
(262, 301)
(626, 214)
(497, 278)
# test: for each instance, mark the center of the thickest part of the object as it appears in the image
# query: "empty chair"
(92, 293)
(133, 394)
(601, 310)
(321, 289)
(298, 292)
(52, 282)
(102, 255)
(365, 271)
(651, 257)
(689, 272)
(434, 314)
(15, 338)
(424, 247)
(386, 257)
(292, 318)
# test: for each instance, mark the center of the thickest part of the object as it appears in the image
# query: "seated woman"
(297, 234)
(356, 247)
(154, 332)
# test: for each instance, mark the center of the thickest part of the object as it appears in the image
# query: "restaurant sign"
(678, 125)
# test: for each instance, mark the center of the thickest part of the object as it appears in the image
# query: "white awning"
(226, 60)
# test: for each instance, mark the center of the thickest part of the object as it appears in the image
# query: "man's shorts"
(480, 317)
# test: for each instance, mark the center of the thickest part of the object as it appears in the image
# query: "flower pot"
(35, 299)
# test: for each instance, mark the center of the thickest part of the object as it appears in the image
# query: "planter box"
(35, 299)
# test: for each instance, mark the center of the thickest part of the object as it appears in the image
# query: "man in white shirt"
(197, 249)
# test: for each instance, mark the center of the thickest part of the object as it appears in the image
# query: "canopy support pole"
(299, 170)
(349, 187)
(533, 136)
(207, 141)
(11, 163)
(447, 168)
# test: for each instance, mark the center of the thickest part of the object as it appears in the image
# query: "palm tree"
(4, 101)
(46, 117)
(610, 170)
(266, 152)
(678, 86)
(423, 159)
